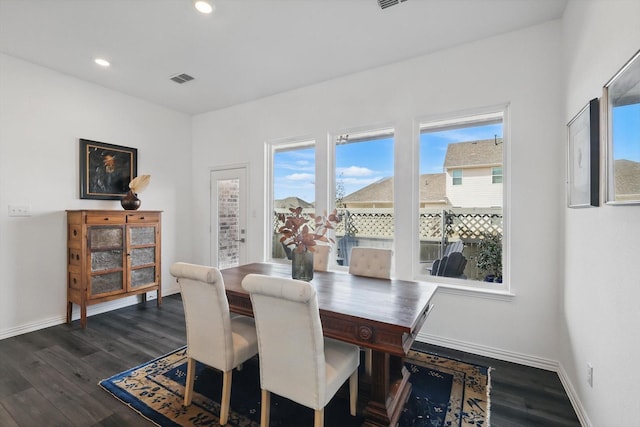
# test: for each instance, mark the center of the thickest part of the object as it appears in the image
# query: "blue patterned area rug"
(445, 393)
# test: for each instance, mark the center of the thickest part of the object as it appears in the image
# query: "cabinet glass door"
(143, 256)
(106, 248)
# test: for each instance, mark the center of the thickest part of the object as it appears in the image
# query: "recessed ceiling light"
(204, 6)
(102, 62)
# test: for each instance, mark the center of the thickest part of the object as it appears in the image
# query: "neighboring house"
(472, 179)
(474, 174)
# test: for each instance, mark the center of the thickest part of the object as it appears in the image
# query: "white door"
(228, 217)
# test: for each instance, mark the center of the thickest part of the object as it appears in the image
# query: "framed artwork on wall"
(621, 129)
(106, 170)
(584, 157)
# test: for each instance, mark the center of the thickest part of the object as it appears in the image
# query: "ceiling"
(246, 49)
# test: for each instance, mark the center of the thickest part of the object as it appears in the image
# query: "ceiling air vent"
(388, 3)
(181, 78)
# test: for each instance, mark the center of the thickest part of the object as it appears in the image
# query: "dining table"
(384, 315)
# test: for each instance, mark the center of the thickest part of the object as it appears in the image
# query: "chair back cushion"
(206, 311)
(370, 262)
(320, 258)
(290, 341)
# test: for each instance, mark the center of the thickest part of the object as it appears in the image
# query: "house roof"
(291, 202)
(473, 153)
(379, 191)
(432, 189)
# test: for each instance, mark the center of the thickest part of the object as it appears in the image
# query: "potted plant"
(302, 233)
(490, 256)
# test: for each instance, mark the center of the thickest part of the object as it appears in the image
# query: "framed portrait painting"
(584, 157)
(106, 170)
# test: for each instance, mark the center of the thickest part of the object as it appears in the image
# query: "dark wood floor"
(49, 377)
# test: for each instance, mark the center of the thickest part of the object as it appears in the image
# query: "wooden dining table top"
(383, 314)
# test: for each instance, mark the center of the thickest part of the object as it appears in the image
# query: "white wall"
(521, 68)
(42, 116)
(602, 272)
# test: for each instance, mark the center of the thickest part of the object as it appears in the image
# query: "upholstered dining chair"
(320, 258)
(370, 262)
(296, 361)
(214, 337)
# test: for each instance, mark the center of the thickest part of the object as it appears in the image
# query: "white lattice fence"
(464, 224)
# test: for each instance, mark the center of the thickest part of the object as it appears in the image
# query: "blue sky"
(359, 164)
(626, 132)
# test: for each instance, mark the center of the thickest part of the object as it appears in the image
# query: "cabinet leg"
(69, 311)
(83, 316)
(159, 297)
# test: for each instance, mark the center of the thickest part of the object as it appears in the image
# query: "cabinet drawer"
(142, 217)
(108, 218)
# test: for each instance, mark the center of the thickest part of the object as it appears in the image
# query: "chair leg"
(353, 392)
(188, 385)
(226, 397)
(266, 406)
(319, 418)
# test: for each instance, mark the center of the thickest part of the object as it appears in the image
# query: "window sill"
(448, 286)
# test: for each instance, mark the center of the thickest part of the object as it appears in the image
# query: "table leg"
(390, 389)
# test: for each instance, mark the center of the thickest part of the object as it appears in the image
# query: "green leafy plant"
(490, 255)
(304, 231)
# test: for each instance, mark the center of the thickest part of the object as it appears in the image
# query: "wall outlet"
(152, 295)
(590, 374)
(22, 210)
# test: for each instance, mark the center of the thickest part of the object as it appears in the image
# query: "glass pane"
(623, 134)
(143, 235)
(626, 151)
(106, 260)
(106, 237)
(228, 222)
(143, 276)
(294, 185)
(364, 191)
(107, 283)
(142, 256)
(461, 198)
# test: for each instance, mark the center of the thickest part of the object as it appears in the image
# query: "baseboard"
(508, 356)
(75, 315)
(513, 357)
(573, 397)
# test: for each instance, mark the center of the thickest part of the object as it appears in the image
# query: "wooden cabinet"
(110, 255)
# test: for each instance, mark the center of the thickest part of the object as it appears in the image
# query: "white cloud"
(354, 171)
(301, 177)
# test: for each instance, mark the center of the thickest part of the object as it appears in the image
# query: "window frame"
(363, 133)
(494, 175)
(469, 117)
(454, 176)
(271, 147)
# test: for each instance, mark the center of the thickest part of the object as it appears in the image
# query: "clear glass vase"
(302, 265)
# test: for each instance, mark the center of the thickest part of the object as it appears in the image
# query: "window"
(461, 226)
(496, 175)
(363, 174)
(456, 174)
(293, 177)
